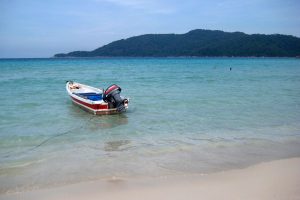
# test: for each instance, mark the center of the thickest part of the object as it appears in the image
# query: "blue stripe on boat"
(91, 96)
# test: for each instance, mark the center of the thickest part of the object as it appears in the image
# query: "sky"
(42, 28)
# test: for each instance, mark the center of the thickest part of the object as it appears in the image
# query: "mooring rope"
(9, 154)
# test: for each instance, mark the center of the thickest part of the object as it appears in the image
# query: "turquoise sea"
(186, 115)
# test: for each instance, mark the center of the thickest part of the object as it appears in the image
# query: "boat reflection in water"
(108, 121)
(118, 145)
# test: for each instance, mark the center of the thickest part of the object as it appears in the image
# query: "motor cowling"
(112, 96)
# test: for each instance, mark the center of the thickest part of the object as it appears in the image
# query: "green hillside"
(198, 43)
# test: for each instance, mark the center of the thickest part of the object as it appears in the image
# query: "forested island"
(198, 42)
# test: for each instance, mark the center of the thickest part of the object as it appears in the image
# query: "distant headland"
(198, 43)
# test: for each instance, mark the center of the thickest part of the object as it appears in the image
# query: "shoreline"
(154, 57)
(279, 179)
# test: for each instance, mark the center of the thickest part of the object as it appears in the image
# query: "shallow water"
(186, 115)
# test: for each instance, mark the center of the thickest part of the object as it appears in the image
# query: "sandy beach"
(270, 180)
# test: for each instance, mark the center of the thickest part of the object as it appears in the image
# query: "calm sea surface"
(186, 116)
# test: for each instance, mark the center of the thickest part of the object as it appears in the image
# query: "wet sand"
(270, 180)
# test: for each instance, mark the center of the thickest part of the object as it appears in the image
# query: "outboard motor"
(112, 96)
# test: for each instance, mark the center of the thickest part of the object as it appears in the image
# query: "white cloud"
(149, 6)
(130, 3)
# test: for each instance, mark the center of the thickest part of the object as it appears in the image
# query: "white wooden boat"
(95, 100)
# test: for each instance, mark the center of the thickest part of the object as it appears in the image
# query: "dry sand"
(271, 180)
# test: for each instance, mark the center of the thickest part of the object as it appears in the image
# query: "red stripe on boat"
(92, 106)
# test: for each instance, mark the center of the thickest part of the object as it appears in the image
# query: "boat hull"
(96, 112)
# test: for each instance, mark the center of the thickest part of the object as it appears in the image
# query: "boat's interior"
(82, 91)
(91, 96)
